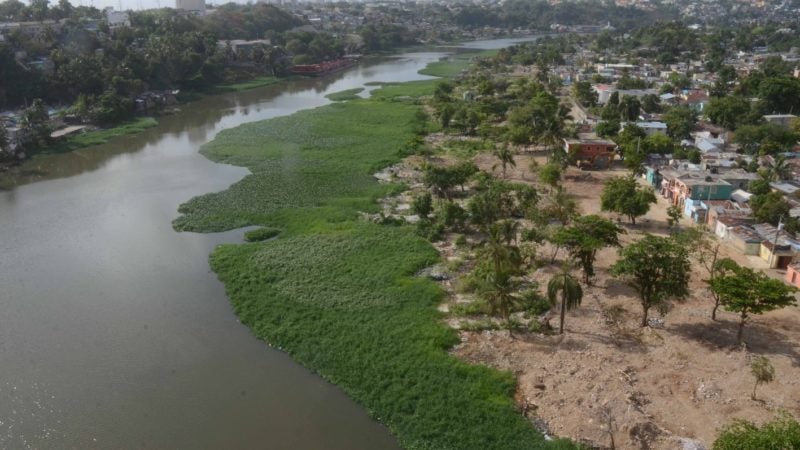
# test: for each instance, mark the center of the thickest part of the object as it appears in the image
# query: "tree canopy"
(623, 195)
(657, 268)
(745, 291)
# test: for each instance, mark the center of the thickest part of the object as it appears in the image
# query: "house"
(738, 178)
(744, 239)
(741, 197)
(707, 146)
(246, 49)
(596, 153)
(679, 186)
(697, 99)
(117, 19)
(777, 255)
(653, 176)
(668, 98)
(604, 92)
(727, 208)
(155, 99)
(793, 274)
(784, 187)
(777, 247)
(652, 127)
(706, 142)
(695, 210)
(783, 120)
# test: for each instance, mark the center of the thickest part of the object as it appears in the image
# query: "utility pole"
(775, 241)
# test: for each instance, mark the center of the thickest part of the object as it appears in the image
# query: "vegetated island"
(348, 94)
(337, 292)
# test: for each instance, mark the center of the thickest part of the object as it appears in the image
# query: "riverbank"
(337, 292)
(100, 136)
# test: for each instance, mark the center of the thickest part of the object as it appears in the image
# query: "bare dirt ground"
(607, 382)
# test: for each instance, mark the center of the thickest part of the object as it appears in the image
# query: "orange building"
(592, 153)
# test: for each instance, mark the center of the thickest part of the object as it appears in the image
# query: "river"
(114, 333)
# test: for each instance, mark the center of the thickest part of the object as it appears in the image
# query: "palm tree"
(508, 230)
(505, 258)
(571, 293)
(506, 157)
(499, 291)
(780, 170)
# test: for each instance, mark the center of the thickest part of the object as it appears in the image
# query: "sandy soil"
(609, 383)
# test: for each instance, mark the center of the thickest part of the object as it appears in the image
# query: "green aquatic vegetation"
(261, 234)
(381, 83)
(98, 137)
(348, 94)
(315, 158)
(410, 90)
(338, 293)
(248, 84)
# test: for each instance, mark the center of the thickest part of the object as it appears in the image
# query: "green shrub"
(349, 94)
(783, 433)
(451, 214)
(534, 326)
(534, 303)
(480, 325)
(473, 308)
(422, 205)
(430, 230)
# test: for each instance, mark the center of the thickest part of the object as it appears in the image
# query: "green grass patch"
(381, 83)
(454, 65)
(338, 293)
(348, 94)
(249, 84)
(98, 137)
(446, 68)
(261, 234)
(411, 90)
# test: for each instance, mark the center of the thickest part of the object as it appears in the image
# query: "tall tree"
(584, 237)
(744, 291)
(623, 195)
(704, 247)
(680, 120)
(563, 288)
(657, 268)
(550, 174)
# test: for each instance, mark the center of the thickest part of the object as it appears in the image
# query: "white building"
(651, 128)
(117, 18)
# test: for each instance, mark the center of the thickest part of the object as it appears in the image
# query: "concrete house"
(793, 274)
(595, 153)
(777, 247)
(744, 239)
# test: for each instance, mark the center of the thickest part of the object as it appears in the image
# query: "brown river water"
(114, 333)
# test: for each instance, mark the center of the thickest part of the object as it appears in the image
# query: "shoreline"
(138, 124)
(366, 323)
(9, 171)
